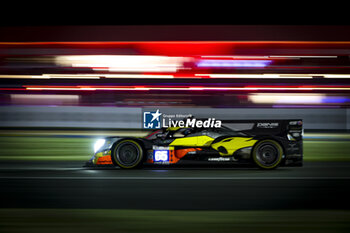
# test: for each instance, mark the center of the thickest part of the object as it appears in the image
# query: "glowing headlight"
(98, 144)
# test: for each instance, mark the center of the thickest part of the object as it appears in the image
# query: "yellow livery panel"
(233, 144)
(193, 141)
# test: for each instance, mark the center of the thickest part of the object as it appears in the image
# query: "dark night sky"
(159, 21)
(175, 33)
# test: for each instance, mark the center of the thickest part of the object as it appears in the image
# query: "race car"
(265, 144)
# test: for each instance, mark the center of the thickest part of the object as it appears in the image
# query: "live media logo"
(156, 120)
(152, 120)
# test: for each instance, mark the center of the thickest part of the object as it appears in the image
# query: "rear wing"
(294, 127)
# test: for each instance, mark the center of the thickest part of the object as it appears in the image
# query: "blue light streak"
(233, 63)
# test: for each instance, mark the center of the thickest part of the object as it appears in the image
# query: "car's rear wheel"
(267, 154)
(127, 154)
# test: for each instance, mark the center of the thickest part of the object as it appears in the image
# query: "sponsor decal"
(267, 125)
(219, 159)
(295, 122)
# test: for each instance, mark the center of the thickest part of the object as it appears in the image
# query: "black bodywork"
(288, 133)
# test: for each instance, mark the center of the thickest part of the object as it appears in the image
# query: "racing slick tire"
(127, 154)
(267, 154)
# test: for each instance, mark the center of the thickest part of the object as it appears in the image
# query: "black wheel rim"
(267, 154)
(128, 154)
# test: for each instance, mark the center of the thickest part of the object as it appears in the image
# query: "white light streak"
(134, 63)
(285, 98)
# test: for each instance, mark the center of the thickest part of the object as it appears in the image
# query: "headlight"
(98, 144)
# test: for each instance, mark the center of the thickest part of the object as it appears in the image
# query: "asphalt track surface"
(316, 185)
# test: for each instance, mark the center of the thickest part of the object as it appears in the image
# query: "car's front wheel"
(267, 154)
(127, 154)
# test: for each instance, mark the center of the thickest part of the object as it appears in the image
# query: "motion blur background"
(64, 80)
(71, 77)
(62, 87)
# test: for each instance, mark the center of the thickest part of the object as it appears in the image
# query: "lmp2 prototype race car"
(266, 144)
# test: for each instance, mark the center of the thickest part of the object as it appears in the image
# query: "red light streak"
(187, 88)
(195, 48)
(12, 89)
